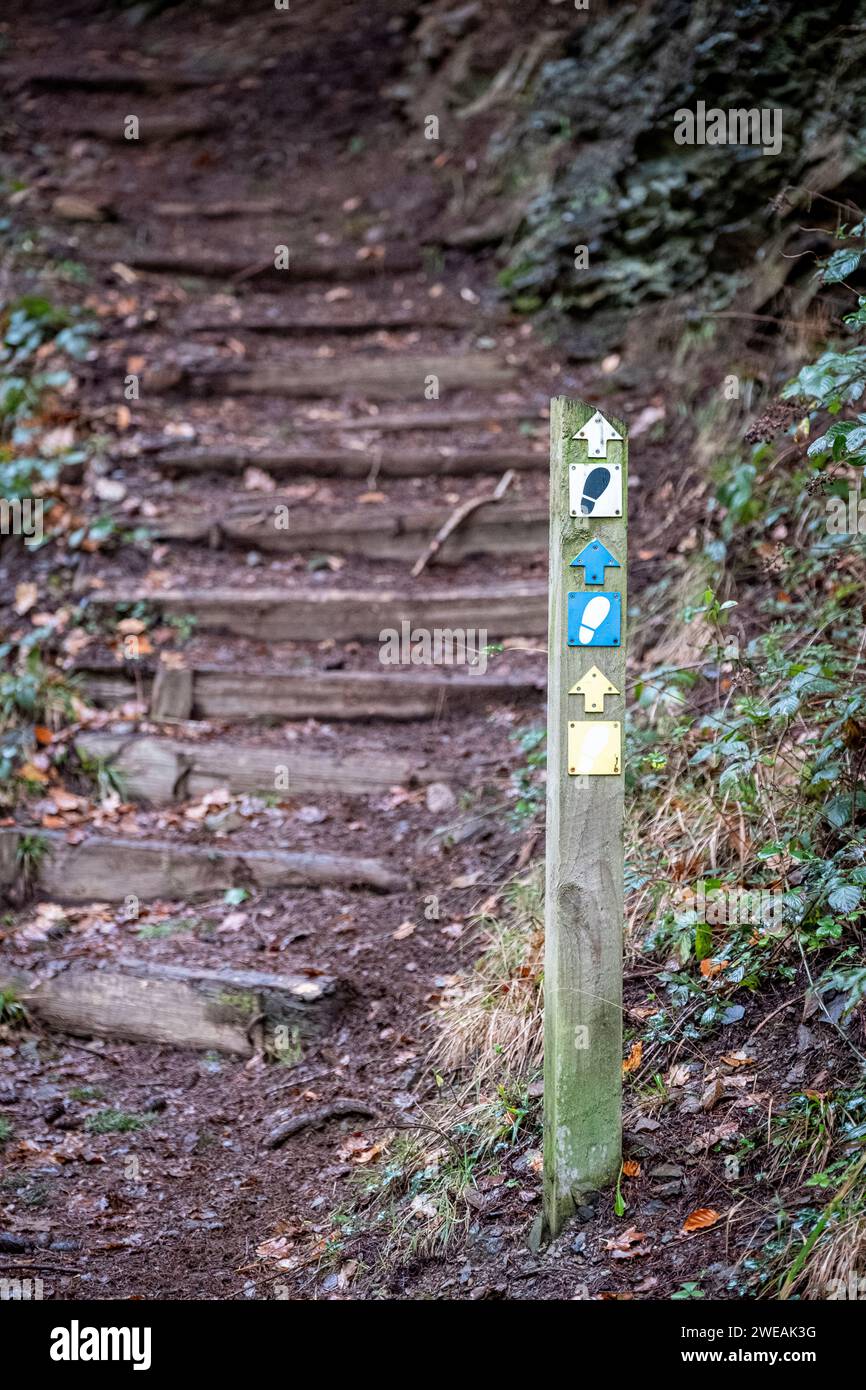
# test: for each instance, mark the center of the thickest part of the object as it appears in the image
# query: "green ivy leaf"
(845, 899)
(840, 265)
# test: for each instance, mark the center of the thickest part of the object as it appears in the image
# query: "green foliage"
(604, 171)
(31, 692)
(183, 623)
(26, 476)
(527, 785)
(30, 854)
(30, 1191)
(788, 755)
(84, 1093)
(838, 378)
(841, 264)
(811, 1123)
(780, 751)
(115, 1122)
(105, 778)
(29, 325)
(35, 338)
(12, 1011)
(161, 931)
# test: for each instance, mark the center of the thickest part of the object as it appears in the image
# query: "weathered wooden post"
(585, 738)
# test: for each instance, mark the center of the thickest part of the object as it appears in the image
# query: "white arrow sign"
(597, 432)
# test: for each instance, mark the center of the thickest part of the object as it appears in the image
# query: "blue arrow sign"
(594, 620)
(594, 557)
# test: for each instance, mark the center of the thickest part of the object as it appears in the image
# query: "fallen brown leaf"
(646, 1284)
(26, 595)
(711, 967)
(29, 773)
(713, 1094)
(625, 1239)
(726, 1130)
(257, 480)
(701, 1219)
(634, 1058)
(738, 1059)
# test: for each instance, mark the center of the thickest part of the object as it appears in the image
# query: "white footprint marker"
(592, 618)
(593, 746)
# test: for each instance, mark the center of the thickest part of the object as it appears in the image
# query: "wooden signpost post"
(584, 893)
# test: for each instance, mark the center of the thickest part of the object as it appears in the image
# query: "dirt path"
(291, 455)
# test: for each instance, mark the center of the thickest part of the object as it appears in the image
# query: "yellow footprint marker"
(594, 748)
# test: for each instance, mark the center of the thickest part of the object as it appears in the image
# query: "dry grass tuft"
(489, 1026)
(837, 1267)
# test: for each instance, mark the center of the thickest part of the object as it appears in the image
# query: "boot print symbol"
(593, 616)
(594, 485)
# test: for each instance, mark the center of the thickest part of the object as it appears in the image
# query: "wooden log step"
(516, 608)
(182, 1006)
(373, 319)
(403, 421)
(304, 265)
(104, 868)
(151, 128)
(378, 377)
(239, 207)
(354, 463)
(496, 528)
(161, 770)
(327, 695)
(116, 79)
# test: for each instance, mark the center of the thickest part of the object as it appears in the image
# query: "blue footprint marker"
(594, 620)
(594, 557)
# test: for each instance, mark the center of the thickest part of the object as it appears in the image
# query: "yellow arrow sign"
(593, 687)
